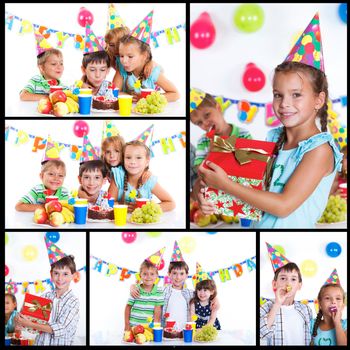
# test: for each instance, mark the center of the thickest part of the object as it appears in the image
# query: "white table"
(29, 109)
(170, 219)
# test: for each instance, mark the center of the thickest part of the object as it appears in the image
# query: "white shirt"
(177, 309)
(293, 332)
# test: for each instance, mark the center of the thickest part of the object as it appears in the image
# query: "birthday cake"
(172, 333)
(97, 212)
(101, 102)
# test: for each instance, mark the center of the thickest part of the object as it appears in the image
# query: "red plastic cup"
(141, 201)
(343, 190)
(170, 324)
(54, 88)
(24, 342)
(146, 92)
(50, 199)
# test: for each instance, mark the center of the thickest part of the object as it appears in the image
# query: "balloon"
(308, 268)
(253, 78)
(187, 244)
(53, 236)
(7, 270)
(249, 18)
(280, 249)
(153, 234)
(161, 265)
(80, 128)
(129, 237)
(6, 238)
(333, 249)
(85, 17)
(30, 253)
(202, 31)
(76, 277)
(343, 12)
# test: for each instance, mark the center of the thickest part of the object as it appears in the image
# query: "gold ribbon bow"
(35, 305)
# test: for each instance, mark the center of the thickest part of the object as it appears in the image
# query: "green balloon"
(154, 234)
(6, 238)
(280, 249)
(249, 18)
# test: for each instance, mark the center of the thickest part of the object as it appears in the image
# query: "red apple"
(53, 206)
(138, 329)
(60, 109)
(128, 336)
(58, 96)
(194, 206)
(40, 216)
(45, 106)
(200, 219)
(56, 219)
(140, 338)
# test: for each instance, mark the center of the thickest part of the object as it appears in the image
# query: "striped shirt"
(274, 335)
(63, 320)
(37, 196)
(39, 85)
(143, 307)
(203, 144)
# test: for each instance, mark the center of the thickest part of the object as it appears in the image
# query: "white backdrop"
(108, 295)
(23, 165)
(20, 54)
(300, 246)
(20, 270)
(219, 68)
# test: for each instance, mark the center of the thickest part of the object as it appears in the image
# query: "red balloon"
(129, 237)
(85, 17)
(7, 270)
(202, 32)
(80, 128)
(161, 265)
(253, 78)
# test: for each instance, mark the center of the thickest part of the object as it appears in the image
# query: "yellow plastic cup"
(120, 214)
(85, 91)
(81, 201)
(125, 104)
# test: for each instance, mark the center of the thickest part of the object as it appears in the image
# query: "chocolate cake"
(99, 213)
(100, 102)
(172, 333)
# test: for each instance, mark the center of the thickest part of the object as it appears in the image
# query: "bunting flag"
(303, 301)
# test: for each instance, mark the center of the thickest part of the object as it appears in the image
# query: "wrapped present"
(38, 309)
(246, 162)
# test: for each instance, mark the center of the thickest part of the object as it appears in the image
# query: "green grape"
(206, 333)
(152, 104)
(148, 213)
(335, 211)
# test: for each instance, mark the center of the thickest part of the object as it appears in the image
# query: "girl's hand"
(214, 177)
(208, 208)
(145, 176)
(22, 321)
(131, 206)
(336, 316)
(135, 97)
(134, 291)
(148, 68)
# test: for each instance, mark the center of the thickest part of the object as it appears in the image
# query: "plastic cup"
(146, 92)
(24, 342)
(125, 104)
(141, 201)
(31, 341)
(54, 88)
(157, 334)
(193, 325)
(157, 325)
(111, 202)
(188, 335)
(120, 214)
(245, 222)
(170, 324)
(80, 212)
(81, 201)
(85, 91)
(116, 92)
(7, 341)
(85, 104)
(343, 190)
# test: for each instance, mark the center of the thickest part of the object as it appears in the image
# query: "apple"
(213, 219)
(45, 106)
(60, 109)
(56, 219)
(140, 338)
(228, 219)
(201, 219)
(40, 216)
(58, 96)
(138, 329)
(194, 206)
(128, 336)
(53, 206)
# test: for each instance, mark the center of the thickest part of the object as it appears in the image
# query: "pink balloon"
(129, 237)
(85, 17)
(80, 128)
(253, 78)
(161, 265)
(202, 31)
(7, 270)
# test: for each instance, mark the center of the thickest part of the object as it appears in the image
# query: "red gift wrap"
(37, 308)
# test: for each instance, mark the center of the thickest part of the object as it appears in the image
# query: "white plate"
(147, 113)
(95, 220)
(47, 225)
(340, 224)
(144, 223)
(103, 110)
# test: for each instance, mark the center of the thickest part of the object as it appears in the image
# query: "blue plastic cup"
(116, 92)
(111, 202)
(245, 222)
(85, 104)
(158, 334)
(80, 212)
(188, 335)
(7, 341)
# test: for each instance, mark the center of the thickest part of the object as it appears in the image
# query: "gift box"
(246, 162)
(38, 309)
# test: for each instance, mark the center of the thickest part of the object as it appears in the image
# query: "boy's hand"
(134, 291)
(281, 295)
(148, 68)
(207, 208)
(22, 321)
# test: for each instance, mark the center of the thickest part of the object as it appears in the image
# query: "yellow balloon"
(187, 244)
(308, 268)
(30, 253)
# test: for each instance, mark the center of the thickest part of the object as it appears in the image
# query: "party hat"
(200, 275)
(143, 30)
(196, 98)
(146, 136)
(55, 253)
(92, 44)
(333, 278)
(89, 152)
(308, 48)
(51, 151)
(277, 259)
(42, 44)
(177, 255)
(156, 258)
(114, 19)
(109, 129)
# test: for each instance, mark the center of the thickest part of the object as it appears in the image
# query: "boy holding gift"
(64, 317)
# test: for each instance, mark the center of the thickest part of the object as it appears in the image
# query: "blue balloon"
(333, 249)
(343, 12)
(53, 236)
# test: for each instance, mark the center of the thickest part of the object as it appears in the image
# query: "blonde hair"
(42, 58)
(53, 163)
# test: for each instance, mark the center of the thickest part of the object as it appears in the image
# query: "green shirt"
(39, 85)
(37, 196)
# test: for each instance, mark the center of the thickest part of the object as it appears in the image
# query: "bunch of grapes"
(335, 211)
(152, 104)
(148, 213)
(206, 333)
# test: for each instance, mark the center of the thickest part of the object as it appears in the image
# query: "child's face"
(92, 181)
(204, 294)
(96, 73)
(113, 155)
(331, 296)
(9, 305)
(178, 278)
(52, 68)
(287, 279)
(135, 160)
(209, 117)
(131, 57)
(148, 276)
(113, 45)
(53, 177)
(294, 101)
(62, 278)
